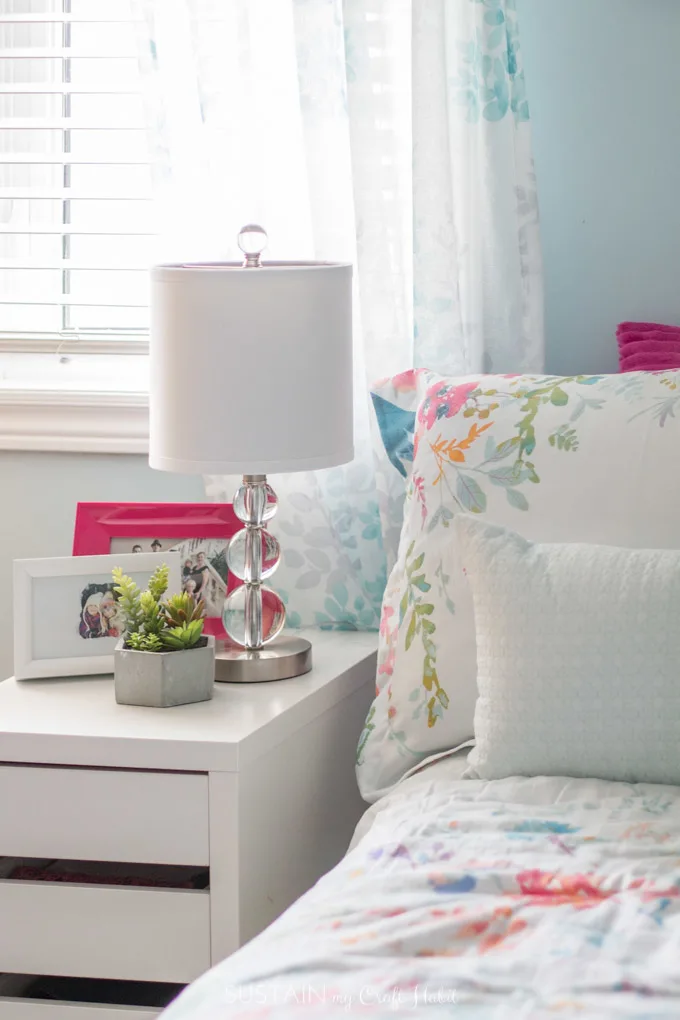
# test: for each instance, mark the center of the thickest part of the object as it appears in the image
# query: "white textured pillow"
(578, 658)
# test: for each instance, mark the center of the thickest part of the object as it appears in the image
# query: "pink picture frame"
(200, 531)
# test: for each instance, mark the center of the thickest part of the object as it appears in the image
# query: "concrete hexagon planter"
(164, 679)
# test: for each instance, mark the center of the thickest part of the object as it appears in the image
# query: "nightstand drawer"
(104, 815)
(127, 934)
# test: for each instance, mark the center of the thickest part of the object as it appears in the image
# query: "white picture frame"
(35, 589)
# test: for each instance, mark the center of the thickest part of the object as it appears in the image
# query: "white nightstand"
(255, 787)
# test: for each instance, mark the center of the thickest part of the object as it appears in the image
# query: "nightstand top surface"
(76, 721)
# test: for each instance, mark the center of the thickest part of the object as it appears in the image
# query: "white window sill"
(85, 404)
(74, 422)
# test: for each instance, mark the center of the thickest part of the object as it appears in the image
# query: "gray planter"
(164, 679)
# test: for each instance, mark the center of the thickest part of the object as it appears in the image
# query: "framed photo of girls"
(198, 532)
(67, 620)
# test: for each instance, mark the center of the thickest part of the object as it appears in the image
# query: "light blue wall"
(39, 496)
(604, 86)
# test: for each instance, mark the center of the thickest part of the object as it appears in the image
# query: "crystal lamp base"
(284, 657)
(254, 614)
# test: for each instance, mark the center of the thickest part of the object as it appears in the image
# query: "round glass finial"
(252, 240)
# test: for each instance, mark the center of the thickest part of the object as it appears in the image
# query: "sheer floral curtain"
(390, 133)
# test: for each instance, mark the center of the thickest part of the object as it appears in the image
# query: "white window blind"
(75, 208)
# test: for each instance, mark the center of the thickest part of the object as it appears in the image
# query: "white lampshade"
(251, 369)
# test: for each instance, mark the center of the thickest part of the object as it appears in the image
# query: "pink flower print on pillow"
(444, 401)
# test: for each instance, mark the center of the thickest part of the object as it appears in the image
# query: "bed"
(521, 897)
(534, 601)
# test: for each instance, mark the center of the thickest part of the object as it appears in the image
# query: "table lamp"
(251, 373)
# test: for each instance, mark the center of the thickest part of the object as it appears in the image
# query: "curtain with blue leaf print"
(390, 133)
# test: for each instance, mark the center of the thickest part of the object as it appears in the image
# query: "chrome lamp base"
(254, 615)
(285, 657)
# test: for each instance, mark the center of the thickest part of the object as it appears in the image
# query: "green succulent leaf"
(183, 608)
(158, 582)
(184, 637)
(155, 626)
(144, 642)
(129, 600)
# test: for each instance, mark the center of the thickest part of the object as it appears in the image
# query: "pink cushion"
(661, 336)
(650, 362)
(647, 346)
(645, 327)
(670, 346)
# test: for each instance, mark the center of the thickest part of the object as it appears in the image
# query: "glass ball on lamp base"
(254, 615)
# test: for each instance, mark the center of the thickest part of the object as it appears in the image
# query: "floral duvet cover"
(515, 898)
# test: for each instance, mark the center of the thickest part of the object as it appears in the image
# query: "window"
(75, 211)
(75, 198)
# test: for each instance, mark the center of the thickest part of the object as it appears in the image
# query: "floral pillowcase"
(565, 459)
